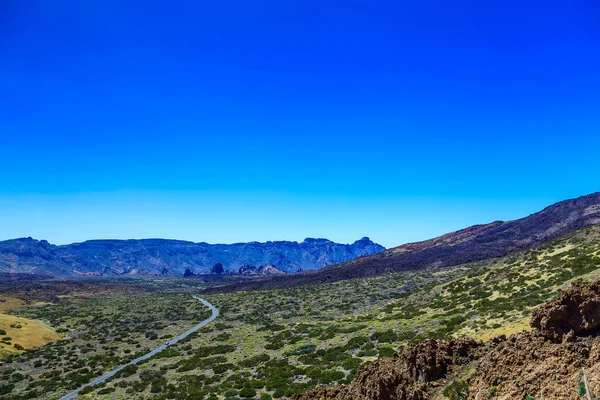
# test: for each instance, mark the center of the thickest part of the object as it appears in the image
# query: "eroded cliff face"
(404, 377)
(575, 312)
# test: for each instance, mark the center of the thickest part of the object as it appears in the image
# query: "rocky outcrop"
(271, 270)
(536, 364)
(407, 376)
(262, 270)
(547, 362)
(528, 363)
(248, 270)
(217, 269)
(575, 312)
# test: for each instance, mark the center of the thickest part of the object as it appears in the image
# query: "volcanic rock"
(577, 310)
(404, 377)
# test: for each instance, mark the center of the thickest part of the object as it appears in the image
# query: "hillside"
(559, 359)
(173, 257)
(477, 243)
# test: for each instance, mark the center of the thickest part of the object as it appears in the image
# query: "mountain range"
(312, 261)
(476, 243)
(172, 257)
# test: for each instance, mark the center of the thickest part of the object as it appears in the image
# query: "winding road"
(215, 314)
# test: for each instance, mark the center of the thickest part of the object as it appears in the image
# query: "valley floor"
(275, 344)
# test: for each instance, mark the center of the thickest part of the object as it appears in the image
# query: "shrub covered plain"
(272, 344)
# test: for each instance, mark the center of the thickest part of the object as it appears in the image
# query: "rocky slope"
(547, 363)
(405, 377)
(477, 243)
(159, 256)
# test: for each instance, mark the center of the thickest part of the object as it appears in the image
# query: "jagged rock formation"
(548, 361)
(271, 270)
(217, 269)
(576, 311)
(262, 270)
(477, 243)
(528, 363)
(154, 256)
(404, 377)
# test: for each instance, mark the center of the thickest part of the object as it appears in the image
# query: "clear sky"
(279, 120)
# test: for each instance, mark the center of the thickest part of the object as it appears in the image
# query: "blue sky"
(270, 120)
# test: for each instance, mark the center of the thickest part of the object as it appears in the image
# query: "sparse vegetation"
(273, 344)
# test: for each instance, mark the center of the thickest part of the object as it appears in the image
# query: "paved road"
(215, 314)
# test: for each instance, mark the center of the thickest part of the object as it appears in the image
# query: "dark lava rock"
(406, 376)
(577, 310)
(217, 269)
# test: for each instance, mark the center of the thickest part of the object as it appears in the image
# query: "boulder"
(575, 312)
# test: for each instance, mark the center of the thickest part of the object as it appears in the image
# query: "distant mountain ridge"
(173, 257)
(476, 243)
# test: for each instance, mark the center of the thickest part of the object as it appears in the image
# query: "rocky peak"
(217, 269)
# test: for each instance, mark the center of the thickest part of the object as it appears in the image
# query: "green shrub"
(356, 342)
(257, 384)
(222, 368)
(255, 361)
(127, 371)
(167, 353)
(388, 336)
(247, 392)
(274, 346)
(106, 390)
(212, 350)
(303, 350)
(6, 389)
(222, 337)
(386, 352)
(367, 353)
